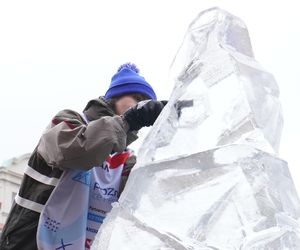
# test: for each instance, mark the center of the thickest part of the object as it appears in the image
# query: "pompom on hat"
(128, 81)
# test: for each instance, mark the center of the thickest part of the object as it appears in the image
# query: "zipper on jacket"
(7, 240)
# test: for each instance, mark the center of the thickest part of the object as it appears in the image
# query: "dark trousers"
(19, 232)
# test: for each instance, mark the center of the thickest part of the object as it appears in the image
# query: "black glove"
(143, 114)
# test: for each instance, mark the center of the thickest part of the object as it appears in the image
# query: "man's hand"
(143, 114)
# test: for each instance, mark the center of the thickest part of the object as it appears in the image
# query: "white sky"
(59, 54)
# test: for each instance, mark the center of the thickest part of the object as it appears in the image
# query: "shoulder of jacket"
(69, 115)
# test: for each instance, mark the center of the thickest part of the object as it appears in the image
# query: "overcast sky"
(59, 54)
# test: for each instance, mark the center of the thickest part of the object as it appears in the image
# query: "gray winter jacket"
(68, 142)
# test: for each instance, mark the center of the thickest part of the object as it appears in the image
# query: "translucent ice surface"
(232, 197)
(208, 176)
(231, 98)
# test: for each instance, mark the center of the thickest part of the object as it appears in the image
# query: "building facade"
(11, 173)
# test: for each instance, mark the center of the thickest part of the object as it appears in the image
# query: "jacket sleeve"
(70, 143)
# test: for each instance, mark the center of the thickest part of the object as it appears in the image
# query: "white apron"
(77, 206)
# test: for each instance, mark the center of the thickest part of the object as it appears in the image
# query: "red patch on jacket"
(117, 160)
(69, 124)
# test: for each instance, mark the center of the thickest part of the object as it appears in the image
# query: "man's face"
(123, 103)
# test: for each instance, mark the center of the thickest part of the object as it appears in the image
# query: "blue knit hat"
(128, 81)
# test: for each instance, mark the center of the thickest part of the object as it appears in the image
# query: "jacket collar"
(97, 108)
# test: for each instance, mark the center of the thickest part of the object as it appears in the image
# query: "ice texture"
(233, 197)
(234, 100)
(208, 175)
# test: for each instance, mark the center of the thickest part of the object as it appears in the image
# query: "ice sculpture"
(208, 175)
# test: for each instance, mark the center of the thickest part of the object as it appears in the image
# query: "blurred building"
(11, 173)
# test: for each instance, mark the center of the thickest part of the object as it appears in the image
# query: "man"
(79, 168)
